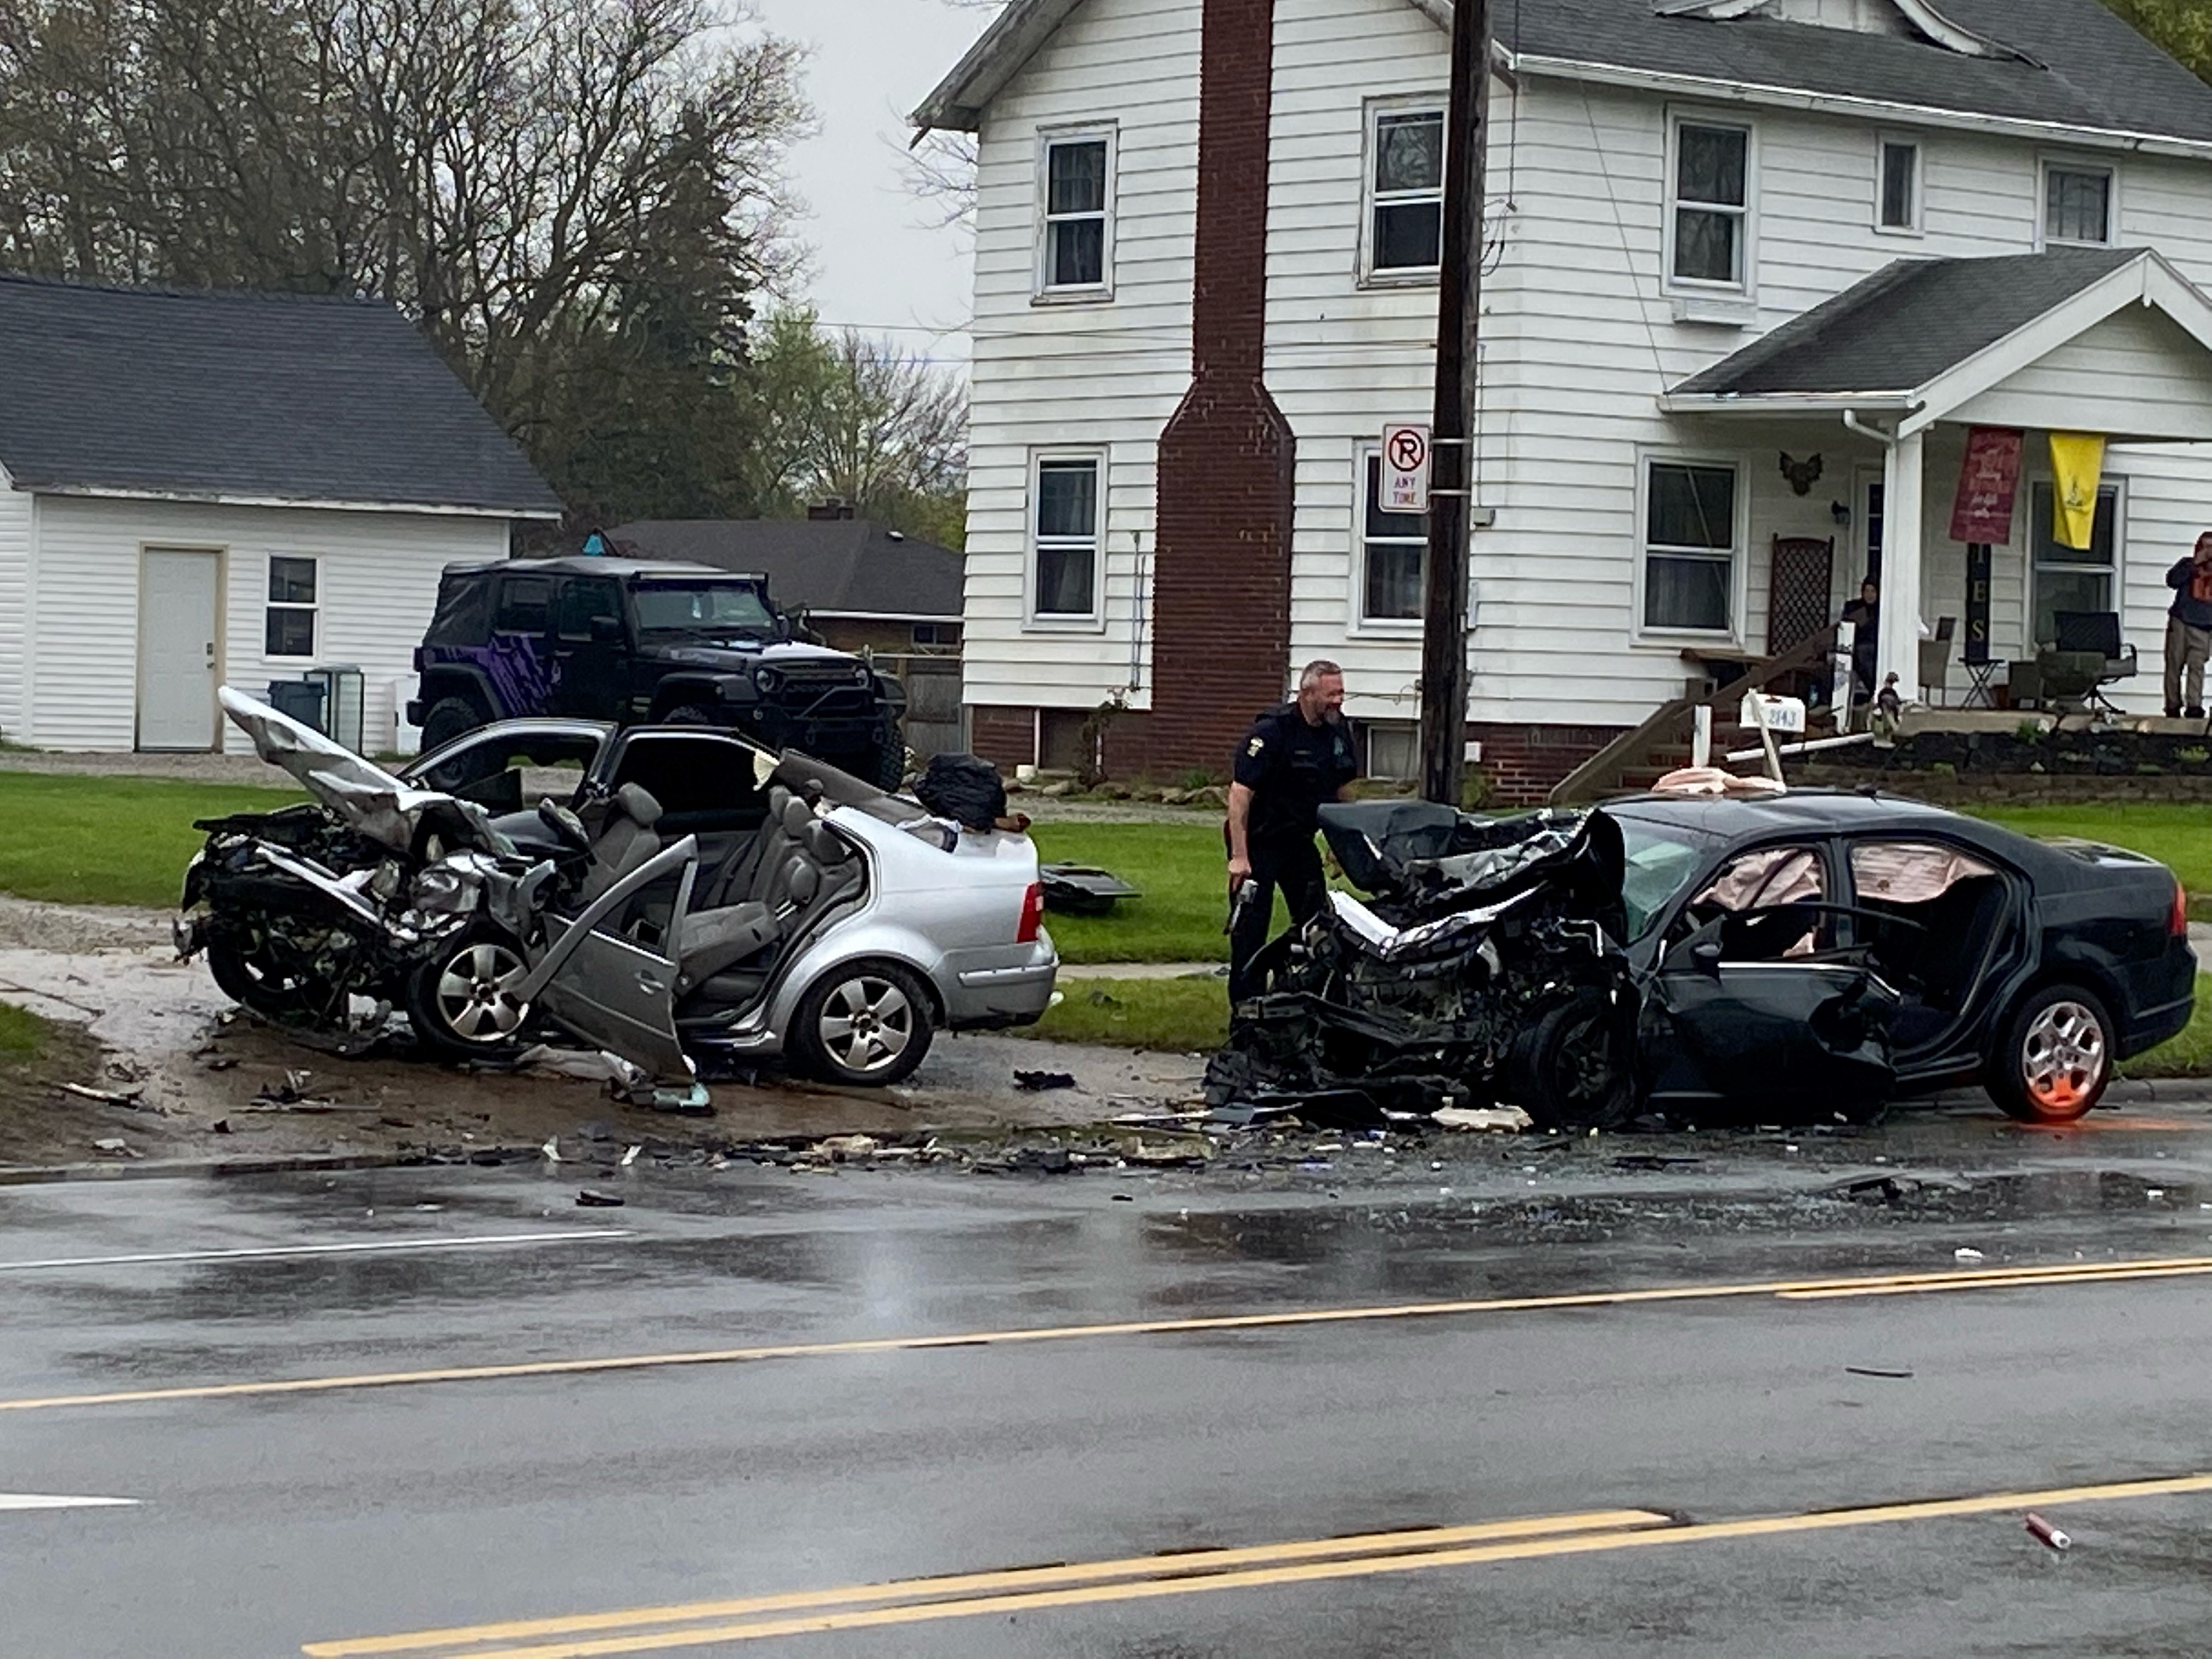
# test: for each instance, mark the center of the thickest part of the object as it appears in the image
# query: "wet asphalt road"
(268, 1522)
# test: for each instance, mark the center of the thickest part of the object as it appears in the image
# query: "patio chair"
(2087, 645)
(1936, 659)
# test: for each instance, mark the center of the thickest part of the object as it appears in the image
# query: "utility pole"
(1451, 503)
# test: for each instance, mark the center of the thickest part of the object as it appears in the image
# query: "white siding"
(1580, 338)
(1099, 375)
(1343, 360)
(378, 581)
(14, 604)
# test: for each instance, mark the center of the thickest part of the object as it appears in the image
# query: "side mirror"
(1705, 956)
(606, 630)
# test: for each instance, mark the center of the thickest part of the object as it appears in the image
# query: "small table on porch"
(1979, 675)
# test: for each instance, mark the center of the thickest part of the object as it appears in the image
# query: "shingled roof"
(2063, 64)
(1906, 325)
(849, 566)
(244, 395)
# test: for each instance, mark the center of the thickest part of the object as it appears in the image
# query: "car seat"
(801, 858)
(626, 840)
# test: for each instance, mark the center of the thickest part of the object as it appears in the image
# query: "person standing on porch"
(2188, 629)
(1864, 613)
(1293, 758)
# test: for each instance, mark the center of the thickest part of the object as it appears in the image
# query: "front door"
(177, 648)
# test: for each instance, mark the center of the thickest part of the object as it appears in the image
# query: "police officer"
(1294, 759)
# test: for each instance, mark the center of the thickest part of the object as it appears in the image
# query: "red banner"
(1988, 480)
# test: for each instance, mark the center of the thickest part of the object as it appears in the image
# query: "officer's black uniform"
(1291, 766)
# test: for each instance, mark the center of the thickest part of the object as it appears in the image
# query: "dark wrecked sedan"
(1792, 956)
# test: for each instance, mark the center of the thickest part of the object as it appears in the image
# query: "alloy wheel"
(866, 1023)
(2062, 1057)
(473, 999)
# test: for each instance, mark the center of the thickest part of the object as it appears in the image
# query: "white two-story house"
(1755, 269)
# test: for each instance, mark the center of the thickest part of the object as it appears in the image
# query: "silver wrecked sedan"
(850, 925)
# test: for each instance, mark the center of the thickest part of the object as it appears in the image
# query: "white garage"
(199, 489)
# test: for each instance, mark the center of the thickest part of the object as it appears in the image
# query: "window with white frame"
(1076, 254)
(2077, 204)
(1391, 548)
(1709, 207)
(1897, 201)
(294, 584)
(1065, 518)
(1690, 545)
(2071, 578)
(1394, 749)
(1405, 191)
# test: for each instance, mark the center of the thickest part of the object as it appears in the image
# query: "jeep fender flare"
(459, 679)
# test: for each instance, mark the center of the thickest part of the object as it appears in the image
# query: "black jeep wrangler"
(619, 640)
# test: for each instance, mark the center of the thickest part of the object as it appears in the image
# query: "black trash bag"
(965, 788)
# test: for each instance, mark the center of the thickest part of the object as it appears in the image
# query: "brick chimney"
(1222, 575)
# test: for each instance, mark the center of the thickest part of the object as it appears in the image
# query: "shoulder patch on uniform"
(1255, 746)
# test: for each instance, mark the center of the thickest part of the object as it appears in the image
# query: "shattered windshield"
(707, 610)
(1662, 861)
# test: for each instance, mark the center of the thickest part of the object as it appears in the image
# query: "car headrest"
(638, 806)
(778, 798)
(827, 846)
(797, 817)
(802, 881)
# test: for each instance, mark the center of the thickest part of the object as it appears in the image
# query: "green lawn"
(23, 1036)
(2179, 834)
(1183, 873)
(108, 841)
(1184, 1015)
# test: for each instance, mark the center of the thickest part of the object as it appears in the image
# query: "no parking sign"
(1405, 469)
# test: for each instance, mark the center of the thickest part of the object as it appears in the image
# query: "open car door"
(615, 991)
(1733, 1018)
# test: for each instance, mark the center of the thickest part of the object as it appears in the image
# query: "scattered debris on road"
(591, 1199)
(129, 1097)
(2044, 1533)
(1498, 1120)
(1967, 1253)
(1083, 890)
(116, 1146)
(1877, 1371)
(1037, 1082)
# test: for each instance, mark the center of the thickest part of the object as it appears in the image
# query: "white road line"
(36, 1500)
(575, 1236)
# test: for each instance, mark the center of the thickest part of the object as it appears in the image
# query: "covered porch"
(1859, 420)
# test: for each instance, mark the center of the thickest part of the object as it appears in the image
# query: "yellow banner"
(2076, 459)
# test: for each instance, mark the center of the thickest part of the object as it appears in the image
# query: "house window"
(289, 630)
(1065, 522)
(1710, 216)
(2071, 578)
(525, 605)
(1404, 193)
(1391, 549)
(1078, 219)
(2077, 204)
(1898, 204)
(1689, 546)
(1394, 750)
(936, 637)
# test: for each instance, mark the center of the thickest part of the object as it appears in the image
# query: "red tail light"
(2178, 923)
(1032, 915)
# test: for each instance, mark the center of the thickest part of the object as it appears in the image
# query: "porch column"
(1903, 525)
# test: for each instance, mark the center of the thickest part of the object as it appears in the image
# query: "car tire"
(864, 1023)
(454, 998)
(449, 718)
(1568, 1070)
(2055, 1057)
(250, 984)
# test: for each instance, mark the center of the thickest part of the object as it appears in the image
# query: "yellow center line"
(1550, 1542)
(1794, 1290)
(1013, 1578)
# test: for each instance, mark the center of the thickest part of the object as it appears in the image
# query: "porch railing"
(1669, 725)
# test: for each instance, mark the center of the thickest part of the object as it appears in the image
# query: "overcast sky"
(878, 262)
